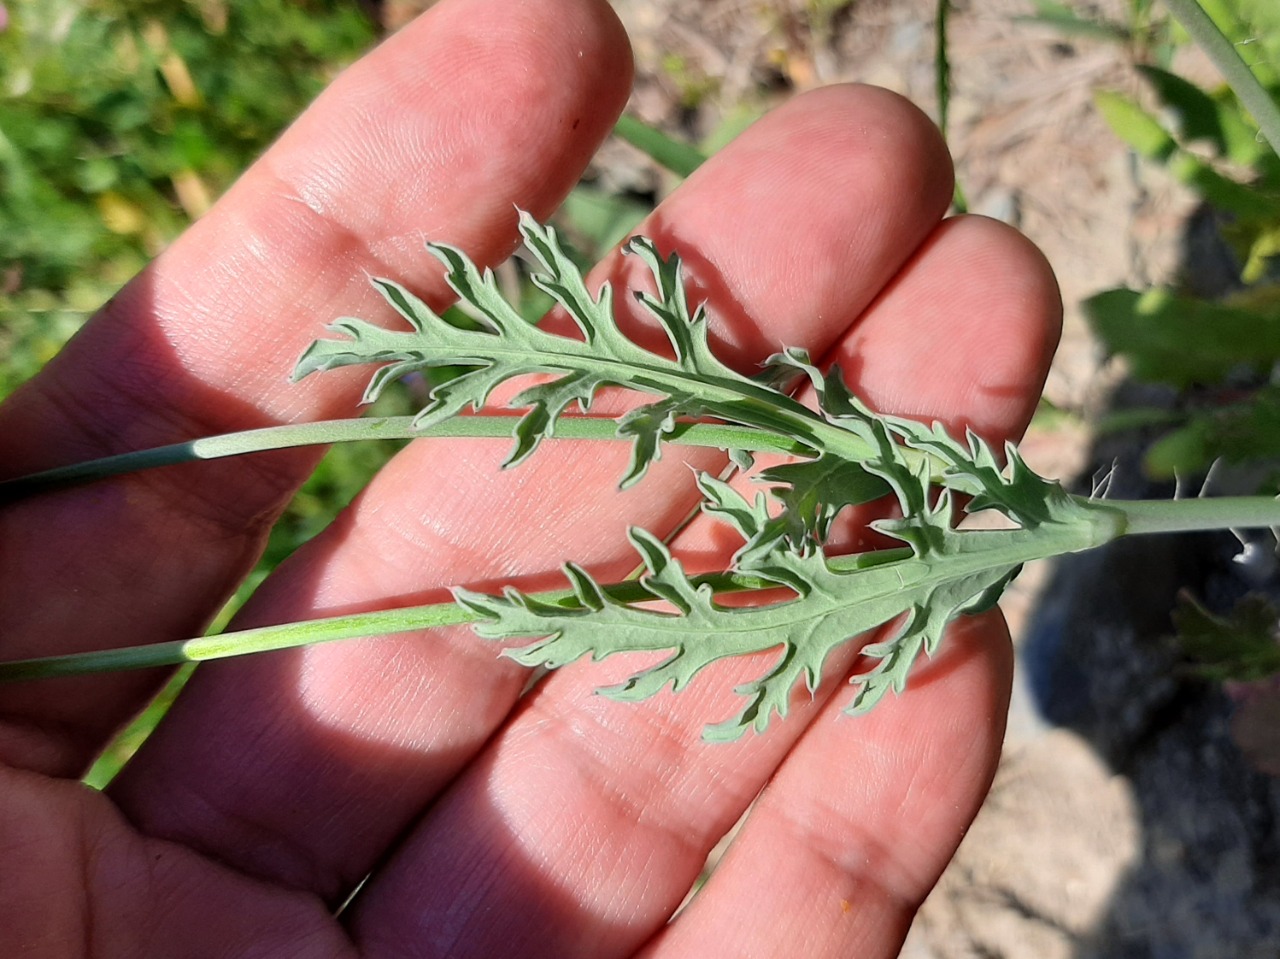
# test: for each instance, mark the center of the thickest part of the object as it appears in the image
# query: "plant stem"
(680, 158)
(380, 623)
(1134, 517)
(1227, 59)
(942, 87)
(1192, 515)
(372, 428)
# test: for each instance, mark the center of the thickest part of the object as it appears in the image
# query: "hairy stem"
(1228, 60)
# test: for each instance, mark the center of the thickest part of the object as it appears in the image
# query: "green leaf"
(1151, 139)
(1155, 329)
(1199, 115)
(830, 609)
(1245, 431)
(1216, 118)
(1243, 645)
(502, 346)
(813, 492)
(680, 158)
(1062, 18)
(599, 218)
(857, 455)
(1135, 126)
(1012, 488)
(944, 573)
(1246, 203)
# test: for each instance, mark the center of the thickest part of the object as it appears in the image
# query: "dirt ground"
(1094, 840)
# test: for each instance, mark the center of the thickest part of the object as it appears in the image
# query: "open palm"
(482, 822)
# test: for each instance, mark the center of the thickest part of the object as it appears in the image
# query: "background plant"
(1221, 349)
(120, 122)
(1217, 351)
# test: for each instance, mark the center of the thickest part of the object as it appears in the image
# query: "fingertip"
(964, 334)
(791, 230)
(925, 757)
(841, 181)
(1017, 275)
(857, 824)
(512, 99)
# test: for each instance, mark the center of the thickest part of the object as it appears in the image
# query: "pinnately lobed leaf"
(694, 384)
(943, 573)
(911, 592)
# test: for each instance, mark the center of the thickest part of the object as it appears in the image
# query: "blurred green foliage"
(1145, 31)
(120, 121)
(1240, 645)
(1223, 354)
(1219, 351)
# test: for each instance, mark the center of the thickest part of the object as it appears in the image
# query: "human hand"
(557, 824)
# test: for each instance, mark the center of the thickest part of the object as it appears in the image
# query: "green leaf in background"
(1253, 26)
(1259, 244)
(1215, 118)
(1199, 116)
(1059, 16)
(1135, 126)
(680, 158)
(1181, 340)
(1243, 645)
(1242, 432)
(121, 121)
(1151, 139)
(1262, 18)
(597, 221)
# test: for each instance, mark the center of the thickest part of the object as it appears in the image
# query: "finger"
(836, 857)
(478, 106)
(374, 730)
(585, 823)
(971, 346)
(79, 881)
(857, 824)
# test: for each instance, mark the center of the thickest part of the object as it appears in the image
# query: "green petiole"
(358, 625)
(1111, 519)
(498, 426)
